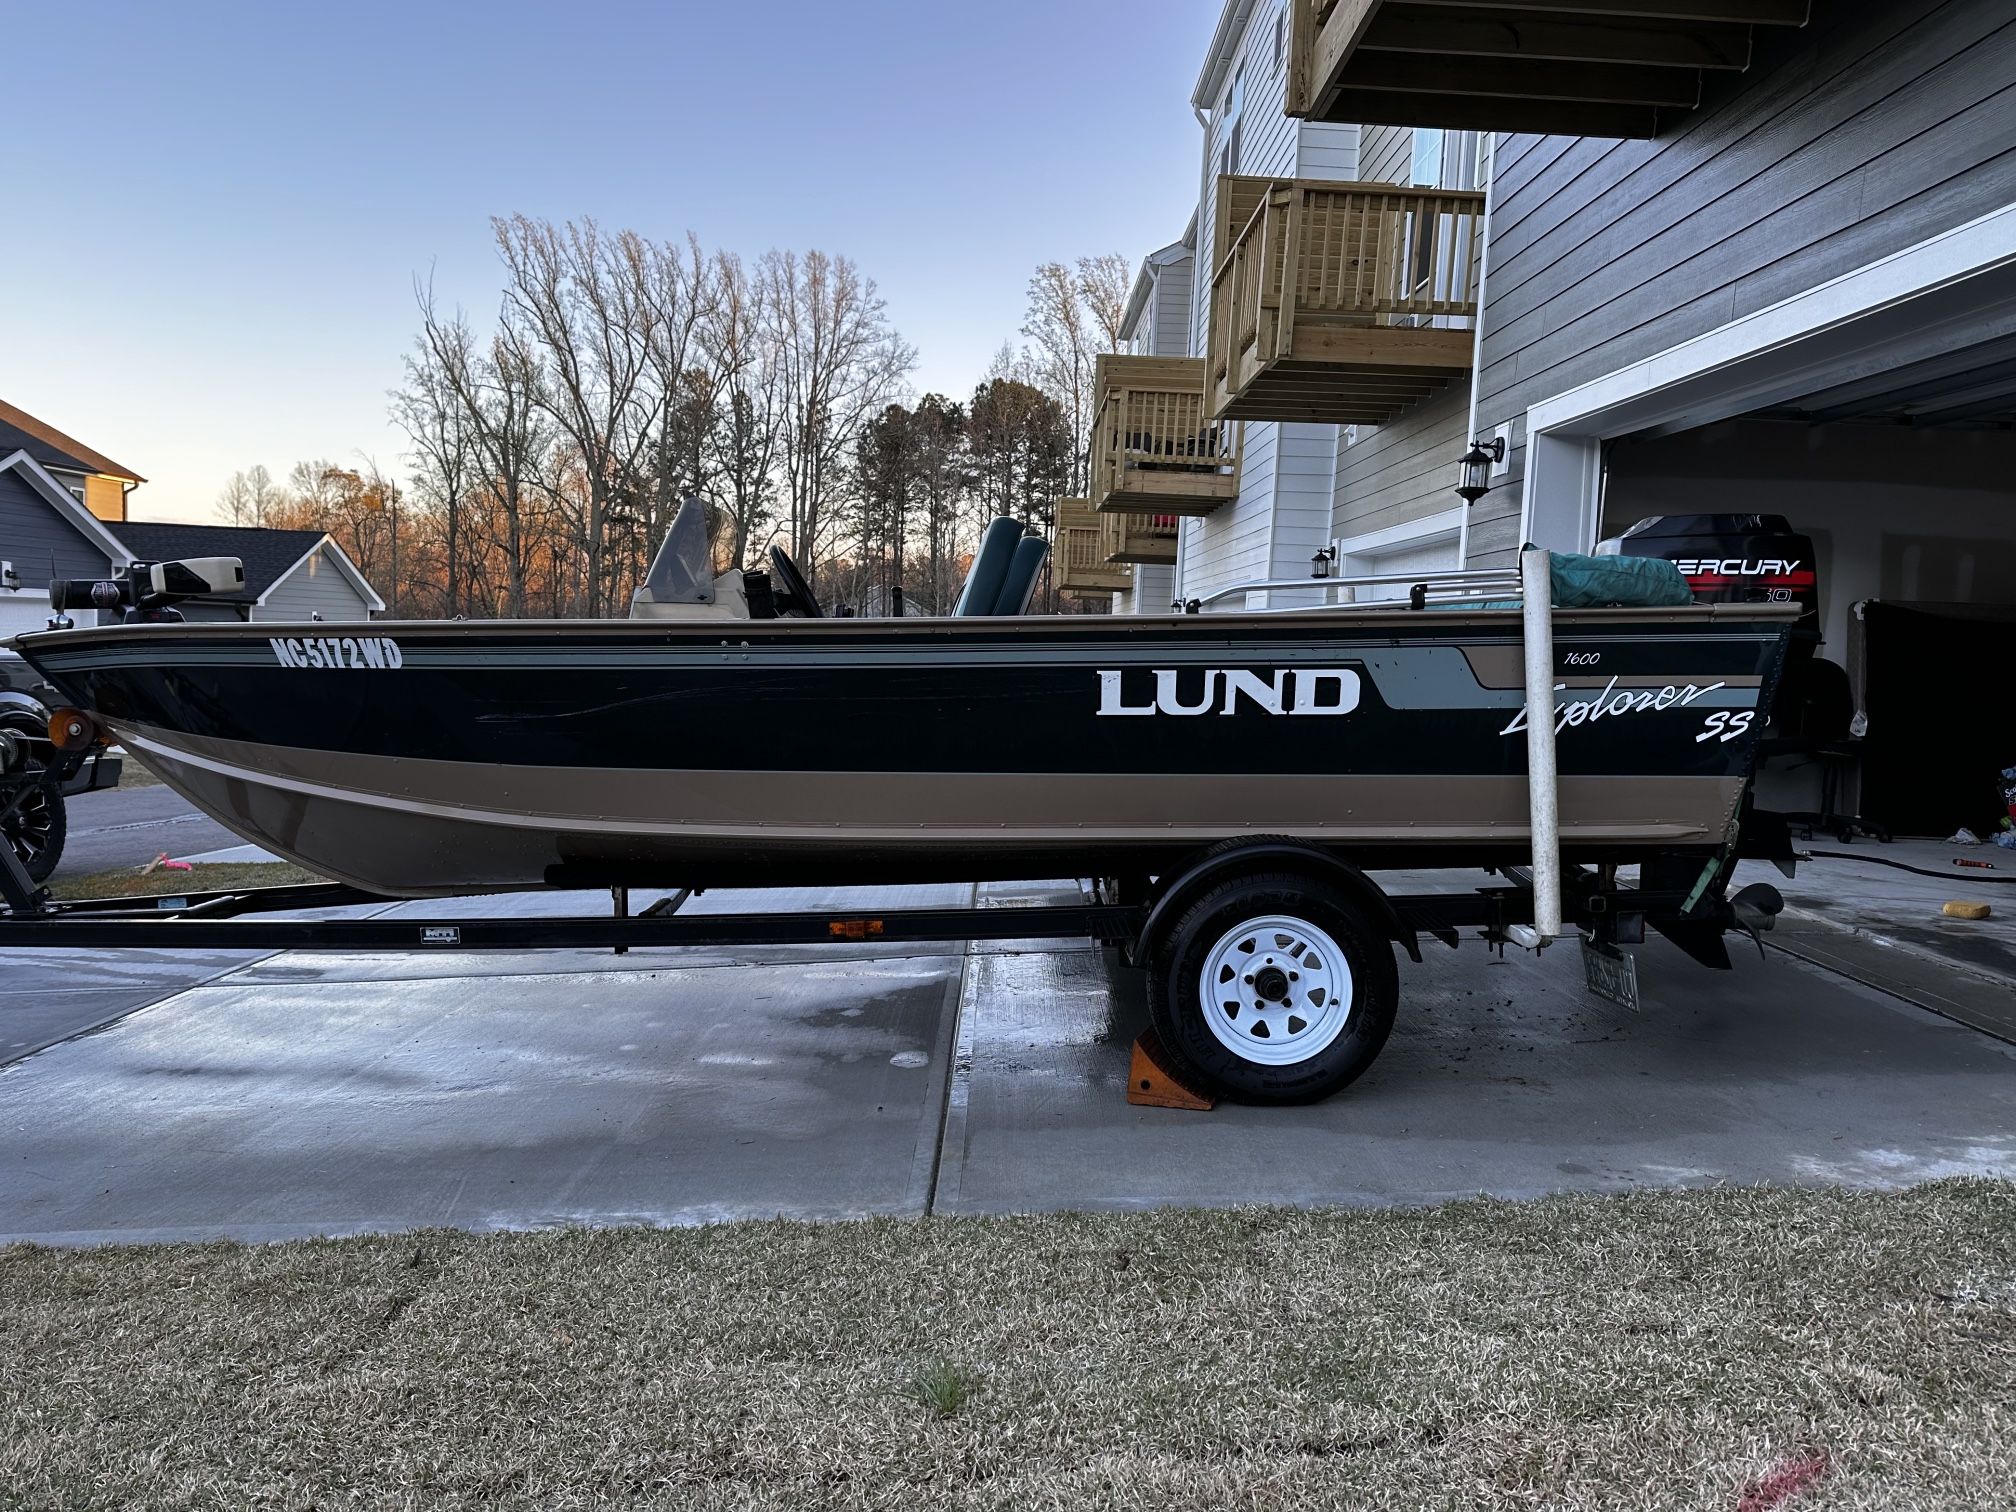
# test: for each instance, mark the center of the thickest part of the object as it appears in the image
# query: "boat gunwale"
(1355, 617)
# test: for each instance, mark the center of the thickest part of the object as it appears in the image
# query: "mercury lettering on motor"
(341, 652)
(1191, 692)
(1735, 567)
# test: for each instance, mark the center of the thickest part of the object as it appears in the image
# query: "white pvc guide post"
(1537, 573)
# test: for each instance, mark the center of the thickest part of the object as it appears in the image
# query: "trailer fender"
(1240, 857)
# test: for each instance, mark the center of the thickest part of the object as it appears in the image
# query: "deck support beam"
(1615, 68)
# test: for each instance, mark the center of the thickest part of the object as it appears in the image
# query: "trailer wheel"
(37, 830)
(1274, 989)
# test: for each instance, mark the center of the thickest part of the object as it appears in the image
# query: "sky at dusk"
(218, 211)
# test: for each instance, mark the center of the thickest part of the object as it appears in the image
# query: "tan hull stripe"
(940, 807)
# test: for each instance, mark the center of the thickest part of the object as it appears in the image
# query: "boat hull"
(442, 759)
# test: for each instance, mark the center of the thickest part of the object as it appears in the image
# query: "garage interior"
(1905, 482)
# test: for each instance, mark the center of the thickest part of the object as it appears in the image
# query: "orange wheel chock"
(1152, 1084)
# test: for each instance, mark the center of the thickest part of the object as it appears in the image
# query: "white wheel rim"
(1276, 990)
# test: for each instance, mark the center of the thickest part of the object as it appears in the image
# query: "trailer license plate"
(1610, 974)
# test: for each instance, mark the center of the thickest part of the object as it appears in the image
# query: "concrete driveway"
(305, 1093)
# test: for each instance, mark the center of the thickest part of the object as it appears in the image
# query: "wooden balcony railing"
(1149, 540)
(1154, 449)
(1553, 67)
(1339, 302)
(1081, 552)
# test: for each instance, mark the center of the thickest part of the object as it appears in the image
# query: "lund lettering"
(1167, 701)
(1301, 693)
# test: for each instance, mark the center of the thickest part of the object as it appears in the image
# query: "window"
(1280, 38)
(1442, 160)
(1231, 119)
(77, 492)
(1427, 169)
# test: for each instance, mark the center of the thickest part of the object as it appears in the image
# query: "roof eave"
(1224, 47)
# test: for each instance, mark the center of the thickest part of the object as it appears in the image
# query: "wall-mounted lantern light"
(1321, 563)
(1477, 465)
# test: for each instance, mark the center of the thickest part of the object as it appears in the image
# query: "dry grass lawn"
(131, 882)
(1728, 1350)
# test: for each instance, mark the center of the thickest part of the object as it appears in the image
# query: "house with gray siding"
(1758, 258)
(290, 575)
(45, 532)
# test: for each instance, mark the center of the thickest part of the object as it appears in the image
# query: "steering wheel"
(797, 592)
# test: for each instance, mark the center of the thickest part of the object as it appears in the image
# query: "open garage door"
(1876, 414)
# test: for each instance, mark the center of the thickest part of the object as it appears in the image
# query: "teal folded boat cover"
(1617, 582)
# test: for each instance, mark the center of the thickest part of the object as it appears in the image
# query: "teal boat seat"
(990, 569)
(1023, 569)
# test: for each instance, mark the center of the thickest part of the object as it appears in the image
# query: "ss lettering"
(1726, 724)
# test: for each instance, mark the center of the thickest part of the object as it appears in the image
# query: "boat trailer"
(1269, 965)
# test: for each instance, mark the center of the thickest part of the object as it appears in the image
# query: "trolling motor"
(148, 591)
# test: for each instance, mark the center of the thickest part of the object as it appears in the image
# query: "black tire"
(37, 831)
(1206, 929)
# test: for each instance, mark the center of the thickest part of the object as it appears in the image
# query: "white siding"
(1408, 469)
(1153, 591)
(317, 586)
(1169, 309)
(1287, 483)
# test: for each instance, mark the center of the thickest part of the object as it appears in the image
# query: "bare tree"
(1105, 284)
(1063, 355)
(680, 291)
(497, 390)
(580, 298)
(445, 460)
(250, 497)
(1074, 315)
(839, 362)
(741, 346)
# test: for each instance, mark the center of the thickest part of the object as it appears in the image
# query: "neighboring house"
(294, 575)
(45, 532)
(98, 483)
(1752, 257)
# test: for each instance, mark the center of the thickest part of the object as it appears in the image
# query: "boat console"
(682, 583)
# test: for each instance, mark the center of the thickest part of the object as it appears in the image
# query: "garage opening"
(1906, 718)
(1876, 414)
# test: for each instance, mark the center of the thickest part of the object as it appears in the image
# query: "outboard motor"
(149, 591)
(1739, 559)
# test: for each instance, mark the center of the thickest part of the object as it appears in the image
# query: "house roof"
(1224, 48)
(1137, 302)
(21, 431)
(268, 555)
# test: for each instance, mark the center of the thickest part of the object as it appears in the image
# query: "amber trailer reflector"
(72, 730)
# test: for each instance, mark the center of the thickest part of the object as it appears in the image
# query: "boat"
(726, 735)
(1228, 785)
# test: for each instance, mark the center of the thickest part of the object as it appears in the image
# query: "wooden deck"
(1149, 540)
(1081, 552)
(1339, 302)
(1154, 449)
(1602, 68)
